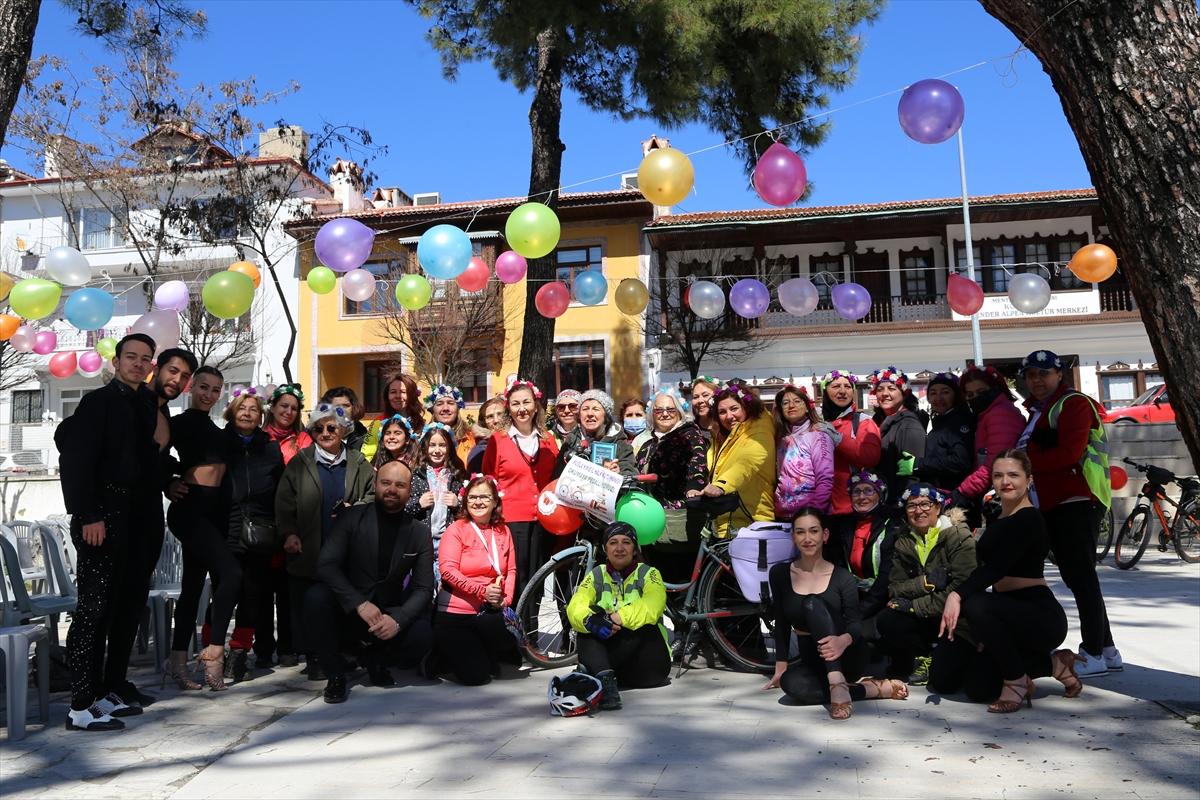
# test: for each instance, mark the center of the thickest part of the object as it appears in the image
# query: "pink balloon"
(91, 361)
(22, 339)
(511, 266)
(161, 326)
(552, 299)
(63, 365)
(171, 296)
(779, 176)
(44, 342)
(358, 285)
(476, 275)
(964, 295)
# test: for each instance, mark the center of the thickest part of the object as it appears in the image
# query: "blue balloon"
(590, 287)
(89, 309)
(444, 252)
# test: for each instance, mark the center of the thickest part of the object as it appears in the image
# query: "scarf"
(324, 459)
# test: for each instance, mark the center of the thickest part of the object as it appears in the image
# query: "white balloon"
(68, 266)
(798, 296)
(1028, 292)
(707, 299)
(358, 285)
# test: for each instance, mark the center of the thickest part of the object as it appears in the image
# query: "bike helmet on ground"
(574, 694)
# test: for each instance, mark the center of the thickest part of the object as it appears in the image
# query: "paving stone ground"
(711, 733)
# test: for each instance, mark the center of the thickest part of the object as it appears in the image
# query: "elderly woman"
(858, 445)
(566, 414)
(901, 429)
(677, 453)
(597, 426)
(804, 454)
(863, 542)
(743, 458)
(316, 485)
(445, 404)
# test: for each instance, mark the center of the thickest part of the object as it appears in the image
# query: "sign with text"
(590, 488)
(1062, 304)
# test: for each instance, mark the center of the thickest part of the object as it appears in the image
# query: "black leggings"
(1073, 528)
(904, 636)
(525, 537)
(1018, 629)
(472, 646)
(807, 681)
(639, 658)
(201, 525)
(261, 585)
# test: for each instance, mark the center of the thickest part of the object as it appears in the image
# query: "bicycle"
(1183, 531)
(1104, 537)
(739, 629)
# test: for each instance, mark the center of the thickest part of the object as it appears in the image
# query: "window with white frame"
(96, 229)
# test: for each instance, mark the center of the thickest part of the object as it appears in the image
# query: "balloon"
(68, 266)
(321, 280)
(22, 339)
(413, 292)
(632, 296)
(645, 514)
(89, 309)
(552, 299)
(7, 282)
(34, 298)
(107, 347)
(171, 296)
(63, 365)
(590, 287)
(344, 244)
(930, 111)
(851, 300)
(161, 326)
(554, 516)
(706, 299)
(90, 364)
(964, 295)
(358, 285)
(749, 298)
(227, 295)
(8, 326)
(1093, 263)
(475, 277)
(798, 296)
(511, 266)
(665, 176)
(779, 176)
(248, 269)
(532, 230)
(44, 342)
(1118, 477)
(444, 252)
(1028, 292)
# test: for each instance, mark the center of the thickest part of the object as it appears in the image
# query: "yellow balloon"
(632, 296)
(665, 176)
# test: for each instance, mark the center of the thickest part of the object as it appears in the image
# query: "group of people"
(405, 541)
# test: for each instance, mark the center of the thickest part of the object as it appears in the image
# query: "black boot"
(335, 690)
(611, 700)
(235, 666)
(377, 671)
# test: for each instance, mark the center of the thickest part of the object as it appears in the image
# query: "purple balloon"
(171, 296)
(749, 298)
(90, 362)
(779, 176)
(44, 342)
(931, 111)
(851, 300)
(344, 244)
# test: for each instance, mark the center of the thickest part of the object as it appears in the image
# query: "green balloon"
(645, 514)
(107, 347)
(532, 230)
(413, 292)
(34, 298)
(228, 295)
(321, 280)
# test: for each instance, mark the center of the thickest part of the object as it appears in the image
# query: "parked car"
(1152, 406)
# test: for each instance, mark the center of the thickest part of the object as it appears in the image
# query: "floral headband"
(520, 384)
(288, 388)
(398, 418)
(869, 478)
(430, 427)
(670, 391)
(833, 375)
(735, 389)
(252, 392)
(329, 410)
(479, 476)
(889, 375)
(924, 490)
(444, 390)
(717, 382)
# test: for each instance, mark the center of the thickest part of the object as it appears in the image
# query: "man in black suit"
(361, 599)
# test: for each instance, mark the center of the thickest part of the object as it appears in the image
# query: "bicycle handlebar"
(649, 477)
(1159, 475)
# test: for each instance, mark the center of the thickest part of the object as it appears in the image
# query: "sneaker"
(112, 705)
(920, 673)
(1088, 665)
(92, 719)
(1112, 659)
(611, 699)
(335, 689)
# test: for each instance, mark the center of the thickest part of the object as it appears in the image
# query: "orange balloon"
(248, 269)
(1093, 263)
(7, 282)
(8, 326)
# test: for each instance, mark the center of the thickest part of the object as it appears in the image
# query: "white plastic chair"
(31, 606)
(23, 536)
(15, 643)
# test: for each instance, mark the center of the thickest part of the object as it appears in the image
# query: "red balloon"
(63, 365)
(554, 516)
(1118, 476)
(964, 295)
(475, 277)
(552, 299)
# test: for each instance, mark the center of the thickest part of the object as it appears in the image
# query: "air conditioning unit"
(629, 180)
(427, 199)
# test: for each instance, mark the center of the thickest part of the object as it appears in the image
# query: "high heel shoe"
(1024, 692)
(1064, 673)
(896, 689)
(214, 671)
(176, 668)
(840, 710)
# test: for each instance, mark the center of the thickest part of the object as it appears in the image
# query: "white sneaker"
(112, 705)
(1112, 659)
(1088, 665)
(92, 719)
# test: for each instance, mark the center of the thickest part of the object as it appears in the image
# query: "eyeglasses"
(793, 403)
(923, 505)
(332, 427)
(867, 492)
(479, 498)
(665, 412)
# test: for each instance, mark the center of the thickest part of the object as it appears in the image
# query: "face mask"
(980, 403)
(635, 425)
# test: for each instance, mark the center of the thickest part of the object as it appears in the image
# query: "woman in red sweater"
(859, 446)
(479, 579)
(998, 427)
(520, 456)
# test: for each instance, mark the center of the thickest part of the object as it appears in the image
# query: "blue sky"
(367, 63)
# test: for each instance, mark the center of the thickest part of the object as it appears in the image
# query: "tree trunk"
(1128, 76)
(545, 116)
(18, 21)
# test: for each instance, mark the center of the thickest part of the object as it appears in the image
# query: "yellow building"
(357, 344)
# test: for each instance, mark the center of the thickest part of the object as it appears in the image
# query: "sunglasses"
(332, 427)
(569, 406)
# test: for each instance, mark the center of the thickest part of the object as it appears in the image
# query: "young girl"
(437, 477)
(395, 442)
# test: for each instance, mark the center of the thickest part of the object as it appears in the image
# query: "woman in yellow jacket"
(617, 612)
(742, 458)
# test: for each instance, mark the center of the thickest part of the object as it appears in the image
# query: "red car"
(1152, 406)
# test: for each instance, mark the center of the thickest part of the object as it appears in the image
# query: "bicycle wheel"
(549, 639)
(741, 632)
(1133, 538)
(1105, 536)
(1186, 533)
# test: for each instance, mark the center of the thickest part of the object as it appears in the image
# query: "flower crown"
(833, 375)
(475, 476)
(444, 390)
(430, 427)
(924, 490)
(870, 478)
(523, 384)
(288, 388)
(329, 408)
(735, 389)
(251, 391)
(400, 418)
(890, 375)
(944, 377)
(673, 393)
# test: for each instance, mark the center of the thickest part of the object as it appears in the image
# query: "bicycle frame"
(1155, 494)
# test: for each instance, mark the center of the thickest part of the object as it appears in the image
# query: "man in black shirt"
(362, 599)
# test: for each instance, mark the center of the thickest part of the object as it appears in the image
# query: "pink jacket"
(467, 571)
(805, 461)
(998, 428)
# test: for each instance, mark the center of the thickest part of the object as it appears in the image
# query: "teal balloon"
(444, 252)
(645, 514)
(89, 309)
(590, 287)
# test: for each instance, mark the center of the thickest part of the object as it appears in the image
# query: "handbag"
(259, 537)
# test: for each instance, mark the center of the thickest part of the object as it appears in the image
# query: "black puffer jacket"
(903, 432)
(949, 456)
(251, 479)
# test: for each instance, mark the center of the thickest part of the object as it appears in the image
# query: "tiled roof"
(499, 203)
(782, 214)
